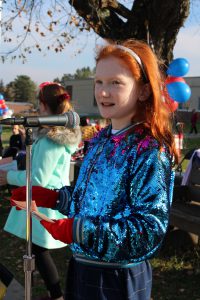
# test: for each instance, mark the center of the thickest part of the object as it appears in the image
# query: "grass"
(176, 273)
(6, 133)
(176, 269)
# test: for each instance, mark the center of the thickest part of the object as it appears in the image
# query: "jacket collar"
(60, 135)
(122, 131)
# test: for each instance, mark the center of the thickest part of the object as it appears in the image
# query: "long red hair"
(153, 111)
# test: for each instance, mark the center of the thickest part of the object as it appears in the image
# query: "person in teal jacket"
(51, 154)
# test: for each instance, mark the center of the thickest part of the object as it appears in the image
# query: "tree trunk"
(154, 21)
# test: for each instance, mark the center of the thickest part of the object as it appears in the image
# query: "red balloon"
(171, 105)
(3, 106)
(171, 79)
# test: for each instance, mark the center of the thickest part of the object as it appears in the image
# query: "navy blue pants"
(95, 283)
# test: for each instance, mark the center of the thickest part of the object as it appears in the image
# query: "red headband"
(48, 83)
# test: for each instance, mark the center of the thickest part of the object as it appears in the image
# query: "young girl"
(119, 210)
(51, 153)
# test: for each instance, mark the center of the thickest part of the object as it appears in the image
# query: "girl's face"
(116, 91)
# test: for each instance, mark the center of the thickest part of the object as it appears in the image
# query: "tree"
(7, 91)
(155, 21)
(2, 87)
(9, 94)
(83, 73)
(24, 89)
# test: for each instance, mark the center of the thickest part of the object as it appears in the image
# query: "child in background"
(51, 153)
(119, 209)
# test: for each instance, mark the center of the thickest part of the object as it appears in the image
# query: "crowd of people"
(116, 216)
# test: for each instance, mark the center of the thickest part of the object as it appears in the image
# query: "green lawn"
(176, 273)
(6, 135)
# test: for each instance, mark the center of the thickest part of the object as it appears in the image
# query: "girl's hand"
(60, 230)
(3, 177)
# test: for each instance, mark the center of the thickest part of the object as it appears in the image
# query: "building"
(83, 100)
(82, 96)
(21, 108)
(194, 101)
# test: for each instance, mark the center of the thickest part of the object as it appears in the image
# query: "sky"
(46, 68)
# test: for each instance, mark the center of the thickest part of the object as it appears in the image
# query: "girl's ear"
(41, 107)
(145, 92)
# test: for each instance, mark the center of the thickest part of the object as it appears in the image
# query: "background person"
(193, 120)
(88, 131)
(51, 153)
(119, 209)
(16, 142)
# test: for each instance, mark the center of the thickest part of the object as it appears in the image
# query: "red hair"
(55, 97)
(153, 111)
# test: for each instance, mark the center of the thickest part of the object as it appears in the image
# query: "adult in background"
(16, 142)
(193, 120)
(51, 153)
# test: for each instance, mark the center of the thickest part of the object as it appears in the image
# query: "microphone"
(70, 119)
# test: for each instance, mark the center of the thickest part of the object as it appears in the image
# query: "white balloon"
(8, 114)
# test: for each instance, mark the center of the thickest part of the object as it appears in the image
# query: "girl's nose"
(105, 92)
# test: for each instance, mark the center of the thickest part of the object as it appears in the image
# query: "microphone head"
(73, 119)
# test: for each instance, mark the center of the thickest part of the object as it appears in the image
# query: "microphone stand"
(29, 260)
(70, 119)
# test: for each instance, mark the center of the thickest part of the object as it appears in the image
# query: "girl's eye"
(98, 82)
(116, 82)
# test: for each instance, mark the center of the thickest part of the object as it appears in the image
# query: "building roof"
(19, 107)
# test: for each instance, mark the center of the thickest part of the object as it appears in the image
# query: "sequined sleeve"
(137, 232)
(64, 199)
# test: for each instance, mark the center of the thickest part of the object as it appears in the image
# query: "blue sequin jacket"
(122, 197)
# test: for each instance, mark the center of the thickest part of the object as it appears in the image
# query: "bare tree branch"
(155, 21)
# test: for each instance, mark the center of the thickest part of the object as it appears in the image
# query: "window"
(199, 103)
(94, 102)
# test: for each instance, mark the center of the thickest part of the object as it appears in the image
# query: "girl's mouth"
(107, 104)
